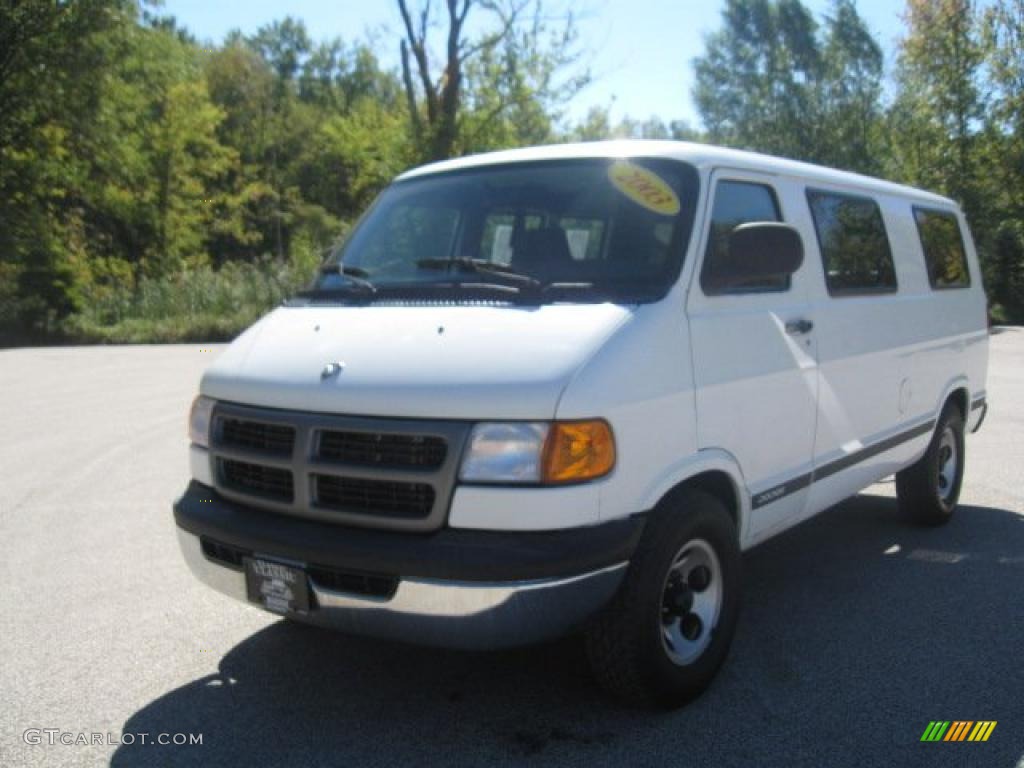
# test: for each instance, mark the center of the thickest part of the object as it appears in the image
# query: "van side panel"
(887, 362)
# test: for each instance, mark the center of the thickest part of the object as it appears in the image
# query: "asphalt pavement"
(857, 627)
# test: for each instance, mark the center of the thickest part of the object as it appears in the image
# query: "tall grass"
(201, 304)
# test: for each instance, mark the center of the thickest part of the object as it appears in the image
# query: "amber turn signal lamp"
(578, 450)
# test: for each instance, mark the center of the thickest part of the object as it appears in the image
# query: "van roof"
(702, 156)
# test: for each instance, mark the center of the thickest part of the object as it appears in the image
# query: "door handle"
(796, 327)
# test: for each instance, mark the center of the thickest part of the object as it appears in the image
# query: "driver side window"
(737, 202)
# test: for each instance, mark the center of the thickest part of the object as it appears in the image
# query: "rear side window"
(737, 202)
(943, 246)
(854, 246)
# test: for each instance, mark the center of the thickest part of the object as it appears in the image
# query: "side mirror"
(757, 252)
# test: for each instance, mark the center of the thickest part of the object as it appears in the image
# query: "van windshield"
(573, 230)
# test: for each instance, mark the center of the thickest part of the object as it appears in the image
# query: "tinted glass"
(943, 246)
(854, 245)
(620, 227)
(737, 202)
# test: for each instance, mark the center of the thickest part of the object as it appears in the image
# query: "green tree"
(939, 99)
(850, 92)
(773, 80)
(502, 86)
(755, 81)
(189, 163)
(1003, 179)
(595, 126)
(46, 134)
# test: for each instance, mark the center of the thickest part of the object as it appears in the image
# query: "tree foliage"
(149, 155)
(939, 95)
(137, 162)
(956, 125)
(500, 87)
(775, 80)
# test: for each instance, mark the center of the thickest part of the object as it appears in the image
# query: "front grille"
(382, 450)
(376, 497)
(277, 439)
(257, 479)
(371, 472)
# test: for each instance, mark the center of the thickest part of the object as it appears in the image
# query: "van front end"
(470, 517)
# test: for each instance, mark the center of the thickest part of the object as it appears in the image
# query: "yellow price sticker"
(643, 187)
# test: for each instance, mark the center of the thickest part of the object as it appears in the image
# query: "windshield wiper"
(354, 275)
(480, 267)
(473, 285)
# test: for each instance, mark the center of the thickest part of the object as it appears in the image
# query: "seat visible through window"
(541, 253)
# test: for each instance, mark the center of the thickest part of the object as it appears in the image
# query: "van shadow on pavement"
(857, 630)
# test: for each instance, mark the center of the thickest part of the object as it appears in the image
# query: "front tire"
(669, 627)
(928, 490)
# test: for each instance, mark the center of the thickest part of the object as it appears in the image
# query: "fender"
(977, 407)
(958, 382)
(705, 460)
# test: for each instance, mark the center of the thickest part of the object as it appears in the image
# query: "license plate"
(278, 588)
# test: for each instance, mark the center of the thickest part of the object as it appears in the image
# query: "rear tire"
(669, 627)
(928, 490)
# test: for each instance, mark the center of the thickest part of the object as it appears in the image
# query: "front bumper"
(462, 589)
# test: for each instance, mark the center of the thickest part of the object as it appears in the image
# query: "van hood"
(454, 362)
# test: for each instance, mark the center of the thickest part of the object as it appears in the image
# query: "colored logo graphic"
(643, 187)
(958, 730)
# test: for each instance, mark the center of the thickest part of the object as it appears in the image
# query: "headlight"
(538, 452)
(199, 420)
(504, 453)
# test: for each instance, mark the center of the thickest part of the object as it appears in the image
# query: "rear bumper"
(463, 589)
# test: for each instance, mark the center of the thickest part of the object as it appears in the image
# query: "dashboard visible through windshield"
(572, 230)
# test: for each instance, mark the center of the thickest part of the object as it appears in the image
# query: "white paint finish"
(832, 489)
(880, 352)
(525, 509)
(640, 381)
(702, 462)
(860, 373)
(689, 384)
(456, 362)
(756, 384)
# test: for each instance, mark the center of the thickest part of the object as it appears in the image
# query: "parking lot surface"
(857, 627)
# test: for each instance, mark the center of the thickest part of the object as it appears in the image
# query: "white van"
(561, 389)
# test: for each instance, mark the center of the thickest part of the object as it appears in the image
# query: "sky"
(639, 50)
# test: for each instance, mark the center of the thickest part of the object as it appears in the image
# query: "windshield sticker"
(643, 187)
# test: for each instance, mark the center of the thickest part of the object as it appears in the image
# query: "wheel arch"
(714, 472)
(958, 392)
